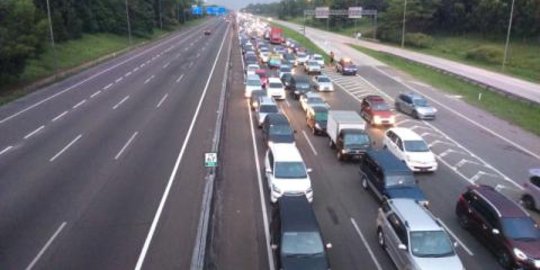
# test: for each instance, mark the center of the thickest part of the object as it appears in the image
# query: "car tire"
(528, 202)
(380, 238)
(331, 143)
(364, 182)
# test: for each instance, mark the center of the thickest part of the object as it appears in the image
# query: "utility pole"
(508, 35)
(160, 16)
(403, 30)
(52, 39)
(128, 22)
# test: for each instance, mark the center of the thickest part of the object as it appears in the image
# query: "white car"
(250, 69)
(301, 58)
(253, 82)
(286, 172)
(318, 58)
(265, 107)
(410, 148)
(323, 83)
(309, 99)
(312, 66)
(275, 88)
(264, 56)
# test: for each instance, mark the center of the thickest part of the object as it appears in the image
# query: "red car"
(376, 111)
(263, 75)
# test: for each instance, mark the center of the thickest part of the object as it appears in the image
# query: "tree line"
(24, 27)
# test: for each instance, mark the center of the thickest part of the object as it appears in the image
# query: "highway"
(104, 170)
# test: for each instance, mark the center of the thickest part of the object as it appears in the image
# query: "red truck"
(276, 35)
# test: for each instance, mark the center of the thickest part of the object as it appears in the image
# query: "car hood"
(325, 84)
(421, 157)
(530, 248)
(310, 263)
(408, 192)
(443, 263)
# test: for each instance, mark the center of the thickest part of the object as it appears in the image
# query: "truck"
(347, 133)
(276, 35)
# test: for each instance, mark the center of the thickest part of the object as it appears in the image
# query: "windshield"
(321, 116)
(268, 109)
(415, 146)
(254, 83)
(315, 100)
(356, 139)
(302, 243)
(431, 244)
(285, 69)
(420, 102)
(275, 85)
(312, 63)
(280, 130)
(323, 79)
(520, 228)
(400, 180)
(382, 106)
(290, 169)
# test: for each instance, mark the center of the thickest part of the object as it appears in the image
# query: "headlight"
(519, 254)
(344, 151)
(275, 188)
(377, 119)
(392, 119)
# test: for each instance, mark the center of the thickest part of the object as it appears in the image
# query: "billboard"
(355, 12)
(322, 12)
(196, 10)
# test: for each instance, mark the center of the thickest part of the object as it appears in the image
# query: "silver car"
(415, 105)
(531, 197)
(414, 238)
(266, 106)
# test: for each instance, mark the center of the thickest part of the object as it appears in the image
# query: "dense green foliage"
(24, 27)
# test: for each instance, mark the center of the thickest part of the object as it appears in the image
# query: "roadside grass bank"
(526, 116)
(308, 44)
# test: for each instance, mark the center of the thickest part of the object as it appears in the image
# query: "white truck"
(346, 130)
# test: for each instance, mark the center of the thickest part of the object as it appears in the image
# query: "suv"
(388, 177)
(296, 237)
(300, 84)
(414, 238)
(286, 172)
(415, 105)
(265, 107)
(376, 111)
(276, 129)
(502, 225)
(411, 148)
(316, 118)
(346, 67)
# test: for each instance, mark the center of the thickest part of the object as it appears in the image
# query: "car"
(207, 32)
(502, 225)
(308, 99)
(415, 105)
(276, 129)
(300, 84)
(388, 178)
(252, 83)
(285, 69)
(376, 111)
(289, 59)
(266, 106)
(286, 172)
(312, 67)
(316, 118)
(264, 56)
(275, 88)
(296, 239)
(323, 83)
(279, 49)
(251, 60)
(531, 197)
(286, 79)
(414, 238)
(301, 58)
(255, 97)
(263, 75)
(318, 58)
(346, 67)
(410, 148)
(251, 68)
(274, 60)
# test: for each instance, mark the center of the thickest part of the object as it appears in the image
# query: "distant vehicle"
(346, 67)
(207, 32)
(266, 106)
(289, 59)
(346, 131)
(276, 35)
(274, 60)
(376, 111)
(312, 67)
(297, 242)
(263, 76)
(301, 58)
(410, 148)
(323, 83)
(279, 49)
(275, 88)
(531, 197)
(265, 56)
(414, 238)
(286, 172)
(308, 99)
(415, 105)
(252, 83)
(251, 68)
(254, 99)
(287, 79)
(251, 60)
(316, 118)
(300, 84)
(276, 129)
(285, 69)
(318, 58)
(501, 225)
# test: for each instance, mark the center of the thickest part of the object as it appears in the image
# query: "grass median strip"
(516, 112)
(304, 41)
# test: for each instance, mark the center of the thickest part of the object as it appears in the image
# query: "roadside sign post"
(210, 160)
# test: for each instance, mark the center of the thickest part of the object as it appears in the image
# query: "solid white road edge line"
(172, 177)
(120, 103)
(366, 244)
(455, 237)
(33, 132)
(46, 246)
(126, 145)
(161, 101)
(5, 150)
(59, 116)
(309, 142)
(65, 148)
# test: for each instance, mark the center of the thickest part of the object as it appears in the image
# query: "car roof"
(416, 217)
(274, 80)
(301, 78)
(504, 206)
(285, 152)
(387, 161)
(374, 98)
(253, 77)
(277, 119)
(406, 134)
(296, 214)
(319, 108)
(312, 95)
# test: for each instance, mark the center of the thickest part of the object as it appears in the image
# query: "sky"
(237, 4)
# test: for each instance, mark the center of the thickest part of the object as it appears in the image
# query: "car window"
(399, 143)
(484, 210)
(271, 158)
(400, 180)
(416, 146)
(420, 102)
(315, 100)
(254, 82)
(356, 139)
(380, 106)
(321, 116)
(398, 227)
(294, 243)
(290, 169)
(275, 85)
(520, 228)
(268, 109)
(323, 79)
(280, 130)
(431, 244)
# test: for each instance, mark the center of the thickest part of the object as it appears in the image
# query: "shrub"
(487, 54)
(419, 40)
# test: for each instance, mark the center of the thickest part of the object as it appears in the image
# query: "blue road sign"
(196, 10)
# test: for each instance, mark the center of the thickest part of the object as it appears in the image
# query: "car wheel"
(364, 182)
(380, 238)
(330, 143)
(415, 115)
(339, 156)
(504, 259)
(528, 202)
(464, 222)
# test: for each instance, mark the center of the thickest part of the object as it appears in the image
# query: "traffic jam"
(391, 144)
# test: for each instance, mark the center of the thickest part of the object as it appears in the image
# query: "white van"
(411, 148)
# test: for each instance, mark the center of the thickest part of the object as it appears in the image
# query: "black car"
(289, 59)
(276, 129)
(296, 237)
(286, 79)
(388, 177)
(300, 84)
(254, 99)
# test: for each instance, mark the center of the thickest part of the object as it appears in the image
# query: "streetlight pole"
(508, 34)
(128, 22)
(160, 16)
(404, 20)
(52, 39)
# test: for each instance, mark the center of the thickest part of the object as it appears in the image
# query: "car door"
(477, 218)
(268, 167)
(395, 235)
(409, 108)
(534, 187)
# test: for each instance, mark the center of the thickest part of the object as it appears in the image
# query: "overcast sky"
(237, 4)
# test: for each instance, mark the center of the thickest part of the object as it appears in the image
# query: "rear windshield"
(254, 83)
(280, 130)
(285, 69)
(268, 109)
(315, 100)
(275, 85)
(321, 116)
(432, 244)
(302, 243)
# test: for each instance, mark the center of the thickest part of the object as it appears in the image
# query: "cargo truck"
(276, 35)
(346, 130)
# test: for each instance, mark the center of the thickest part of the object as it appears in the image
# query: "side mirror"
(268, 170)
(329, 245)
(495, 231)
(402, 247)
(274, 246)
(455, 244)
(309, 170)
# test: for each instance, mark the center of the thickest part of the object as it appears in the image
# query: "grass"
(514, 111)
(308, 44)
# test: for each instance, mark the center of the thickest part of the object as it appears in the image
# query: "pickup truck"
(346, 130)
